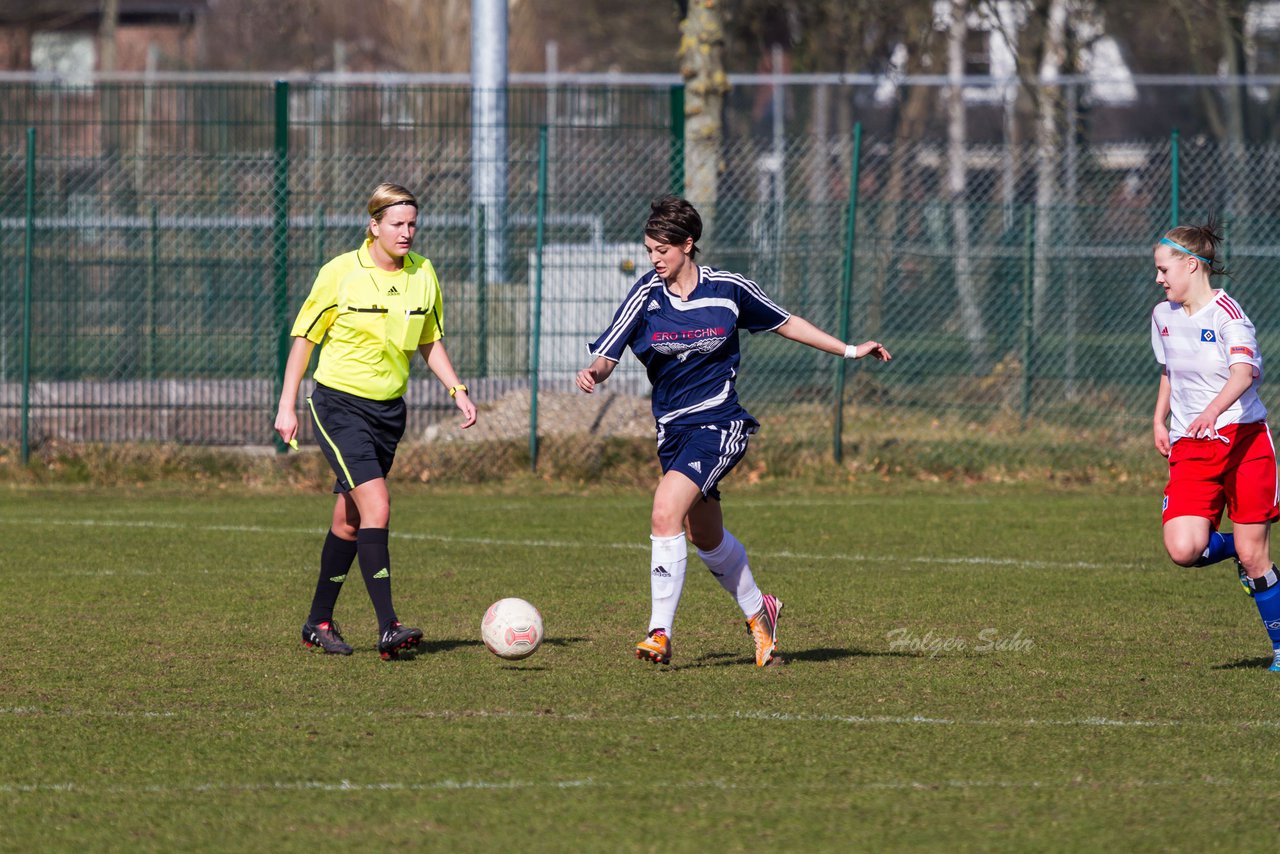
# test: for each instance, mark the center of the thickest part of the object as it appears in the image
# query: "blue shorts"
(357, 435)
(705, 454)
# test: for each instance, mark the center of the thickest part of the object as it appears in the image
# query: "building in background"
(63, 37)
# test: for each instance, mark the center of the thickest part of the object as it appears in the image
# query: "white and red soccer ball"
(512, 629)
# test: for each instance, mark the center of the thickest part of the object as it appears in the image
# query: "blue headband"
(1185, 251)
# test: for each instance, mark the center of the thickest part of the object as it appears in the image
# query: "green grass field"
(971, 667)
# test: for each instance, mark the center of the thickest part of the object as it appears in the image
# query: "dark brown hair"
(673, 220)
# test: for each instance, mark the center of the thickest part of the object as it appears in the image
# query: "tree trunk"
(702, 67)
(1047, 146)
(107, 62)
(962, 264)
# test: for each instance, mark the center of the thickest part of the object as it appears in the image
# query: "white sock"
(728, 563)
(666, 579)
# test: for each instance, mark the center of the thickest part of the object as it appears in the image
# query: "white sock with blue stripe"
(668, 559)
(728, 563)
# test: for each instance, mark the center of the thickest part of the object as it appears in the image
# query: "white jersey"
(1198, 351)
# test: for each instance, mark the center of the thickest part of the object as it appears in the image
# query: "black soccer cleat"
(326, 636)
(397, 637)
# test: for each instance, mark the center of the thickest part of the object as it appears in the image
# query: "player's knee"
(1183, 552)
(665, 523)
(1253, 557)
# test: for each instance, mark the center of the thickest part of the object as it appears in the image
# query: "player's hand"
(586, 380)
(1203, 427)
(872, 348)
(1162, 439)
(463, 401)
(287, 425)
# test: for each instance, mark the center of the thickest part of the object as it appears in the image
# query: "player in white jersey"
(682, 322)
(1211, 424)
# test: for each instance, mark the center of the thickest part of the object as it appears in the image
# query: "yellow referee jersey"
(374, 320)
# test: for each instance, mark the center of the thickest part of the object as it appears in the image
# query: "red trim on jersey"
(1229, 306)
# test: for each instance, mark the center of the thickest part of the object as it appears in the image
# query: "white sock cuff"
(670, 549)
(720, 552)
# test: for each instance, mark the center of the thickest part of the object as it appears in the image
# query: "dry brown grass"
(795, 444)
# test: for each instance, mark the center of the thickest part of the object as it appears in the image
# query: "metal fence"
(173, 230)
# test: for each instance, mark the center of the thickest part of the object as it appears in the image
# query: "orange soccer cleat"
(763, 628)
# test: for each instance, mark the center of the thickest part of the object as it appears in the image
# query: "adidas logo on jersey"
(1164, 332)
(696, 465)
(652, 306)
(393, 291)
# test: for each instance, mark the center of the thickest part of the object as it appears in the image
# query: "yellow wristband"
(453, 390)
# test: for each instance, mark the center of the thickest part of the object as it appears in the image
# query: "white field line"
(780, 717)
(350, 787)
(779, 554)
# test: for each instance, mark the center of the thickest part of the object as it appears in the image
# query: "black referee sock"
(375, 566)
(335, 562)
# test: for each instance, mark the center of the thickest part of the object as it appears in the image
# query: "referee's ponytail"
(387, 196)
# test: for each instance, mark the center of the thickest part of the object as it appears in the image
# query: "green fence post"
(153, 273)
(677, 140)
(846, 289)
(1225, 255)
(482, 298)
(1173, 189)
(280, 237)
(536, 325)
(1028, 309)
(317, 237)
(28, 256)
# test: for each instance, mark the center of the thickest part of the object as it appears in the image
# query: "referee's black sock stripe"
(335, 562)
(375, 566)
(324, 434)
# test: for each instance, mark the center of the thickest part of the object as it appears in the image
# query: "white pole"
(489, 128)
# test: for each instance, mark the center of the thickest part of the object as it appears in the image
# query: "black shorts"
(358, 435)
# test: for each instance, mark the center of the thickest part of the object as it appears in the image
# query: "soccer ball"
(512, 629)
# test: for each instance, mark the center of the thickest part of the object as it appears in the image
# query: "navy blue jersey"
(690, 347)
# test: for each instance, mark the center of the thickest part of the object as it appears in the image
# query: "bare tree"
(966, 292)
(1048, 145)
(706, 84)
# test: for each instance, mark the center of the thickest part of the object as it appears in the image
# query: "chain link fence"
(175, 229)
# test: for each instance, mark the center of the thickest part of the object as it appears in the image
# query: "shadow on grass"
(450, 644)
(1245, 664)
(730, 659)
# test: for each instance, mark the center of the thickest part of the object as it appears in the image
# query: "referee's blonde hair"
(385, 196)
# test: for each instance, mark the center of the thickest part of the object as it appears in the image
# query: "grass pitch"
(970, 668)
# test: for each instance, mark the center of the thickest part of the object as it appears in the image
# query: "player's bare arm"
(1205, 424)
(296, 365)
(594, 374)
(798, 329)
(1160, 421)
(437, 359)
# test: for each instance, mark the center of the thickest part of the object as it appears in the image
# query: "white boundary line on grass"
(782, 554)
(347, 786)
(781, 717)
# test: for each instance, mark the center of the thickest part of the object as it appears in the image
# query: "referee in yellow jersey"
(372, 308)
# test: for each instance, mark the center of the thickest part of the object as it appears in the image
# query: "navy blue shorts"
(357, 435)
(705, 454)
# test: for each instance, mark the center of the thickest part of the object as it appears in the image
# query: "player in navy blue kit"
(682, 321)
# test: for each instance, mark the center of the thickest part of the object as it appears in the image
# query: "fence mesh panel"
(178, 227)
